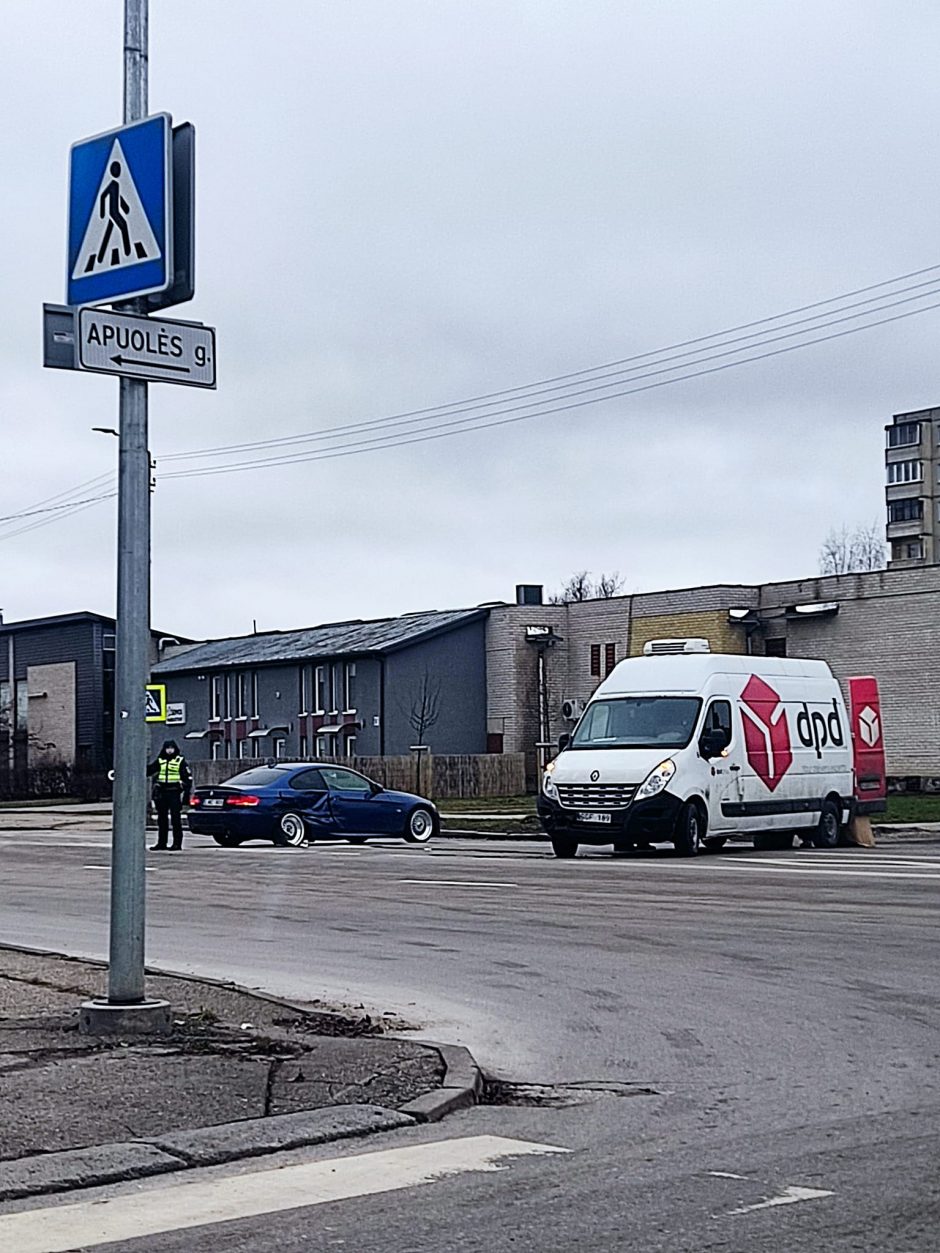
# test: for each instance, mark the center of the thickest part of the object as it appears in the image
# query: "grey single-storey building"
(343, 689)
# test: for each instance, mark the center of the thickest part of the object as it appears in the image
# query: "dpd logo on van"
(766, 734)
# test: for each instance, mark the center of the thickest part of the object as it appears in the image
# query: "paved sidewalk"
(239, 1074)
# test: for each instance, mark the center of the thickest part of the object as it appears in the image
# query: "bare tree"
(425, 707)
(608, 586)
(582, 587)
(849, 552)
(578, 587)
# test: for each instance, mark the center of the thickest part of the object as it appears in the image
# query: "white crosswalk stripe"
(861, 864)
(179, 1206)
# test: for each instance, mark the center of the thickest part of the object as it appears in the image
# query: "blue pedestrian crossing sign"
(120, 242)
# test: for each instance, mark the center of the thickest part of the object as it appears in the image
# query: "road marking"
(181, 1206)
(726, 1174)
(789, 1196)
(459, 883)
(870, 873)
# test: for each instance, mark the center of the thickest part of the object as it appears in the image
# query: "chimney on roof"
(529, 593)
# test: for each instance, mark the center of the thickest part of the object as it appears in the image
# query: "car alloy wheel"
(420, 826)
(293, 832)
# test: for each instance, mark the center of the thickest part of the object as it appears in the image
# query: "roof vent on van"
(670, 648)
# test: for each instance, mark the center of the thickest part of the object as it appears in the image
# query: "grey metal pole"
(132, 663)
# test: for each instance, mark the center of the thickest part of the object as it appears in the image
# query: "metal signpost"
(131, 245)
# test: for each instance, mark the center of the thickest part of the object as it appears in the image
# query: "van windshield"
(638, 722)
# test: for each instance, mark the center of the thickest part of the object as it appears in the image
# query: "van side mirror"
(563, 741)
(713, 742)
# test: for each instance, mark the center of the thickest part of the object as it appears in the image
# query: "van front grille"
(596, 795)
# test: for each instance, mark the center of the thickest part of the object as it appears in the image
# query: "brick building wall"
(713, 625)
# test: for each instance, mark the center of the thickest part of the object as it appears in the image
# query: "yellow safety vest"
(169, 771)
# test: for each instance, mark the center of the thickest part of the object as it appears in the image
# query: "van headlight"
(656, 780)
(548, 783)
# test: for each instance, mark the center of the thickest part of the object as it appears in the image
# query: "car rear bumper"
(653, 820)
(247, 826)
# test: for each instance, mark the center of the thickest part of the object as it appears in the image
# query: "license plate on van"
(593, 817)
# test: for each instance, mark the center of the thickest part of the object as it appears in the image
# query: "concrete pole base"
(144, 1018)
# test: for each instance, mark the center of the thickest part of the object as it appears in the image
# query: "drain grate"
(579, 1092)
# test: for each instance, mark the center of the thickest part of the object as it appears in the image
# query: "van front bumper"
(652, 820)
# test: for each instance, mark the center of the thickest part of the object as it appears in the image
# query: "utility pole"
(126, 1008)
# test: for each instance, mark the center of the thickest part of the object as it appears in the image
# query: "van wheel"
(690, 830)
(564, 846)
(714, 843)
(827, 833)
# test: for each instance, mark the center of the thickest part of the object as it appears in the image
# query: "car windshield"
(260, 776)
(638, 722)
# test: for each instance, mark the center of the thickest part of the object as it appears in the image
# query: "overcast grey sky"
(402, 205)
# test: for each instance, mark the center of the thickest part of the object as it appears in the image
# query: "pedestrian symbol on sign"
(118, 231)
(155, 706)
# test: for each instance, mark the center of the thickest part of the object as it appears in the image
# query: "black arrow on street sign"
(158, 365)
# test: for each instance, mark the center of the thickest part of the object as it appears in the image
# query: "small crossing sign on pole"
(120, 213)
(156, 702)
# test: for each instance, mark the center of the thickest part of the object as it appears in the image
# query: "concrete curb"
(462, 1086)
(114, 1163)
(97, 1165)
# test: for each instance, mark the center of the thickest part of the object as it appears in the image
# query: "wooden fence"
(444, 777)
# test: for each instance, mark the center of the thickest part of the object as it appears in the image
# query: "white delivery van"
(691, 747)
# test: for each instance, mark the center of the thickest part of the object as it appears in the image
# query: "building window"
(905, 472)
(596, 659)
(610, 658)
(280, 748)
(304, 746)
(910, 509)
(906, 550)
(903, 434)
(350, 705)
(776, 647)
(244, 748)
(322, 685)
(323, 747)
(216, 750)
(217, 696)
(242, 694)
(350, 746)
(304, 675)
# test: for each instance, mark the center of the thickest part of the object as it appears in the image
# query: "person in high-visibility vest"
(171, 785)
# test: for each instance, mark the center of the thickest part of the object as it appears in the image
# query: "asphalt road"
(738, 1052)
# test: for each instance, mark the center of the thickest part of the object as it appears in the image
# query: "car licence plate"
(214, 802)
(593, 817)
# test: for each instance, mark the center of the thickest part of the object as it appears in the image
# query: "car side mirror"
(376, 788)
(563, 741)
(713, 743)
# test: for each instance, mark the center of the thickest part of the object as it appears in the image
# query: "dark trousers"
(167, 799)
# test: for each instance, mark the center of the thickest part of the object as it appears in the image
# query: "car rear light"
(239, 801)
(195, 800)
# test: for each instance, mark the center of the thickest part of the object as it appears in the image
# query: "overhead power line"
(498, 408)
(566, 379)
(478, 422)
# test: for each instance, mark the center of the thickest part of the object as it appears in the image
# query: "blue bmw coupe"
(295, 804)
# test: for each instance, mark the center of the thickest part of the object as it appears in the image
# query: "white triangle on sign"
(118, 231)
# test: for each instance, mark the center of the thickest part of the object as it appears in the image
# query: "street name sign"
(120, 242)
(156, 349)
